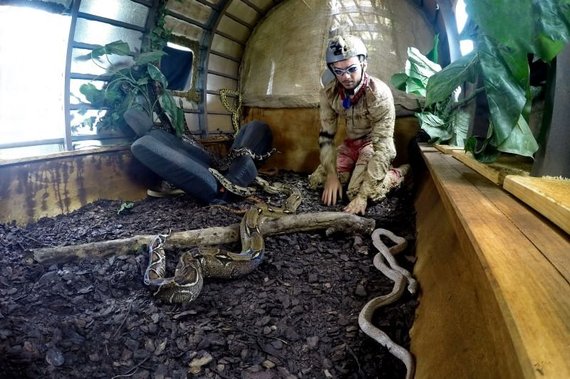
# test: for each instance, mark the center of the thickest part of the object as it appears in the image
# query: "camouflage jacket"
(372, 116)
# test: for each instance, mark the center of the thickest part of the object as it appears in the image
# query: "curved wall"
(284, 57)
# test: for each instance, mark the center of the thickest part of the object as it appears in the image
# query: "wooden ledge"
(519, 268)
(548, 196)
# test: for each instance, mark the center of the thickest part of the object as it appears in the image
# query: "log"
(331, 222)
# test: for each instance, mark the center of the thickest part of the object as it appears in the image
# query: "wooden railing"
(494, 273)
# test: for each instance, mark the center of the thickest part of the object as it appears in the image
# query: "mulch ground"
(293, 317)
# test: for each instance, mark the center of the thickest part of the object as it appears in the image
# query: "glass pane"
(83, 124)
(235, 29)
(95, 67)
(32, 71)
(193, 9)
(243, 11)
(76, 97)
(225, 46)
(216, 83)
(183, 28)
(31, 151)
(120, 10)
(99, 33)
(221, 64)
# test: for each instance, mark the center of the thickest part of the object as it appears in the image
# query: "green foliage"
(506, 33)
(139, 84)
(440, 115)
(125, 207)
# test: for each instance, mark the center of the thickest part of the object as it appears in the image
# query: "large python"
(401, 277)
(188, 279)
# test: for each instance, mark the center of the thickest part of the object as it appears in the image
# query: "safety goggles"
(350, 70)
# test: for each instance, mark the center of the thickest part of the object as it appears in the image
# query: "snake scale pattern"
(192, 268)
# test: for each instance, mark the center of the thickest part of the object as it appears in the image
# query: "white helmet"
(343, 47)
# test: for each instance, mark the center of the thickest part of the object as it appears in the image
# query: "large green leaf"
(93, 94)
(417, 73)
(460, 121)
(433, 55)
(536, 26)
(505, 95)
(435, 126)
(416, 86)
(173, 112)
(520, 141)
(116, 47)
(399, 81)
(442, 84)
(419, 66)
(157, 75)
(150, 57)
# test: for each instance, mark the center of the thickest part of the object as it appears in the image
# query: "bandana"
(347, 102)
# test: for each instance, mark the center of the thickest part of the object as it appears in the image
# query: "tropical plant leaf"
(157, 75)
(150, 57)
(94, 95)
(521, 140)
(505, 95)
(399, 81)
(116, 47)
(434, 126)
(416, 86)
(419, 66)
(538, 27)
(460, 121)
(174, 114)
(487, 153)
(443, 83)
(433, 55)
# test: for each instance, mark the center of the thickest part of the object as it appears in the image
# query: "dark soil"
(293, 317)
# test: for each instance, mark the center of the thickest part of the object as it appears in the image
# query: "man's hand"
(356, 206)
(332, 191)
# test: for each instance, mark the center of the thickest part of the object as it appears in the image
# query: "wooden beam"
(549, 196)
(515, 265)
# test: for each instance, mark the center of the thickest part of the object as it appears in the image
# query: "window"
(34, 47)
(32, 72)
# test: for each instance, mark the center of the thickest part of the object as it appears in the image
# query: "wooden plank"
(447, 149)
(59, 185)
(549, 196)
(533, 295)
(427, 148)
(459, 330)
(496, 171)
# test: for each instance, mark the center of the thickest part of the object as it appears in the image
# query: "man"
(363, 160)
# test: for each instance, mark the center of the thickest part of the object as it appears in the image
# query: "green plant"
(444, 120)
(506, 34)
(125, 207)
(139, 84)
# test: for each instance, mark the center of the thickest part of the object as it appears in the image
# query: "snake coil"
(400, 277)
(209, 262)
